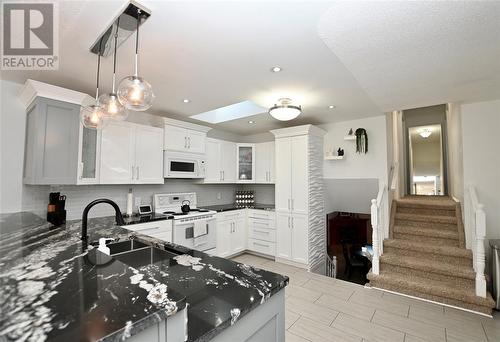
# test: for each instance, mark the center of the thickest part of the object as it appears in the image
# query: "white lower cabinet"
(246, 229)
(161, 230)
(292, 237)
(231, 232)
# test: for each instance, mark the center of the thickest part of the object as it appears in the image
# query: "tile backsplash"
(79, 196)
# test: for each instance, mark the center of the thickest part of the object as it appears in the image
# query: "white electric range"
(186, 226)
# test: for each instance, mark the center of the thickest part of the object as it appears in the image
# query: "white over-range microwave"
(183, 165)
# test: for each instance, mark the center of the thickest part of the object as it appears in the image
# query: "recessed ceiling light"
(186, 101)
(276, 69)
(331, 106)
(251, 122)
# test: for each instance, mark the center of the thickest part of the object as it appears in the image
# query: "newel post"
(480, 252)
(375, 237)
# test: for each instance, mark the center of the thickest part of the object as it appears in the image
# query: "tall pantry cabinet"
(300, 212)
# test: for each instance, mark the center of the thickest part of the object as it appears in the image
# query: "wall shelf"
(334, 157)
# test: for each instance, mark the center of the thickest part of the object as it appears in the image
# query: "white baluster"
(375, 237)
(480, 253)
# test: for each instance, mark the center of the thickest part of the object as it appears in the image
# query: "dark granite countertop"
(136, 218)
(227, 207)
(53, 290)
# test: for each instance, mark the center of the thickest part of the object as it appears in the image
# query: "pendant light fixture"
(285, 111)
(134, 92)
(112, 106)
(92, 116)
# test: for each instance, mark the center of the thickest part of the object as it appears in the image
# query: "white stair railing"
(380, 226)
(475, 234)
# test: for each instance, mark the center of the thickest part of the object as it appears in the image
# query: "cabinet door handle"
(189, 142)
(292, 203)
(223, 175)
(288, 221)
(220, 176)
(288, 204)
(133, 172)
(137, 172)
(185, 142)
(261, 231)
(292, 222)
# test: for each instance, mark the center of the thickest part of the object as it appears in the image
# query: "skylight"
(232, 112)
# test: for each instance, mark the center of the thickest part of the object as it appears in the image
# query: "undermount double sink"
(136, 254)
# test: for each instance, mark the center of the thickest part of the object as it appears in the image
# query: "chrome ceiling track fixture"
(133, 92)
(285, 110)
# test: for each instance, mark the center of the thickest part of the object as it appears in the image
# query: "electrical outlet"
(137, 201)
(219, 196)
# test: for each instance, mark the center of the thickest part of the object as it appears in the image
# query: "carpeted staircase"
(426, 257)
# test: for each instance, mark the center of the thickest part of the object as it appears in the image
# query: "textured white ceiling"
(377, 56)
(408, 54)
(216, 54)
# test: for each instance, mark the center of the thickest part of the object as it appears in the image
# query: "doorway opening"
(426, 160)
(425, 151)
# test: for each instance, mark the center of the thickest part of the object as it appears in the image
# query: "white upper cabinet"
(58, 149)
(299, 198)
(149, 155)
(131, 154)
(118, 153)
(246, 163)
(184, 137)
(264, 162)
(220, 161)
(228, 161)
(283, 188)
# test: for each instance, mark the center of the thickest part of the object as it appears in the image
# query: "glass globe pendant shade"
(93, 116)
(135, 93)
(285, 111)
(112, 107)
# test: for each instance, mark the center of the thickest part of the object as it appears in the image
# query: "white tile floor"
(322, 309)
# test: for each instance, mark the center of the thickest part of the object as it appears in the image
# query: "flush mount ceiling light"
(331, 106)
(92, 116)
(186, 101)
(113, 108)
(425, 133)
(276, 69)
(134, 92)
(251, 122)
(285, 111)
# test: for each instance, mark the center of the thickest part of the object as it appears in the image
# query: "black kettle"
(185, 207)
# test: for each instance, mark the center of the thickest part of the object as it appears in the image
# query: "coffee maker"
(56, 214)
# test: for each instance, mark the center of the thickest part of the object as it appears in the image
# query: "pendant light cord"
(137, 41)
(114, 59)
(98, 70)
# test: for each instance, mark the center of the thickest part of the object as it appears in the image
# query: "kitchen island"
(54, 290)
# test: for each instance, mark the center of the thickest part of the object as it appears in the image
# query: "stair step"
(427, 224)
(427, 211)
(450, 254)
(436, 270)
(438, 291)
(427, 204)
(428, 232)
(450, 220)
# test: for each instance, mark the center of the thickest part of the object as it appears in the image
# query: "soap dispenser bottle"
(102, 246)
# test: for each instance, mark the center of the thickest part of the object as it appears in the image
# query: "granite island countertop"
(53, 290)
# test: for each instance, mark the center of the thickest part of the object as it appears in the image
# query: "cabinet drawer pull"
(261, 231)
(260, 244)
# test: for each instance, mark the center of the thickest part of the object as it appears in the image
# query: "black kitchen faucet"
(118, 217)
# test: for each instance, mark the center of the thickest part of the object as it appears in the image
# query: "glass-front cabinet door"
(88, 168)
(246, 163)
